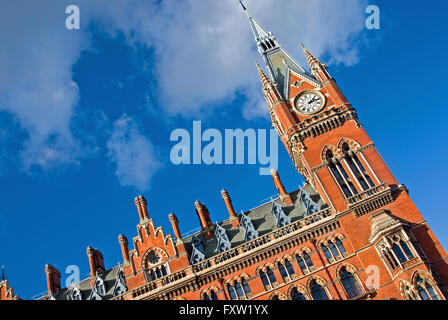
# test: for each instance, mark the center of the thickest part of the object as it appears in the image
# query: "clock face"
(309, 102)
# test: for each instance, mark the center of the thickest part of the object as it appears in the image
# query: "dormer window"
(99, 286)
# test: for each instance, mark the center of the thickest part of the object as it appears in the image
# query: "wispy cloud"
(132, 153)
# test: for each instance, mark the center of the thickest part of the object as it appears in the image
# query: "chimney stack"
(284, 196)
(123, 241)
(233, 216)
(204, 218)
(53, 279)
(96, 261)
(175, 224)
(142, 207)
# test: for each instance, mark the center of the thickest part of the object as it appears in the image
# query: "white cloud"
(132, 153)
(204, 49)
(36, 80)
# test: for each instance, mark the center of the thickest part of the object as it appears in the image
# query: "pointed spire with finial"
(318, 68)
(265, 80)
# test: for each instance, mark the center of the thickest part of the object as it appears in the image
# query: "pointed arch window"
(426, 290)
(286, 270)
(340, 175)
(318, 292)
(401, 248)
(239, 290)
(268, 278)
(305, 263)
(357, 168)
(340, 246)
(232, 292)
(296, 295)
(211, 295)
(350, 284)
(334, 252)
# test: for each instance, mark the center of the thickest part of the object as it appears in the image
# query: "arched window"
(163, 270)
(283, 272)
(271, 276)
(333, 250)
(425, 290)
(393, 263)
(341, 176)
(239, 289)
(289, 268)
(264, 279)
(302, 264)
(318, 292)
(350, 284)
(340, 246)
(99, 287)
(211, 296)
(308, 261)
(357, 168)
(268, 278)
(246, 287)
(296, 295)
(399, 253)
(406, 250)
(232, 292)
(326, 252)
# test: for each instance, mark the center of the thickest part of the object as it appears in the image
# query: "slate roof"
(262, 218)
(110, 277)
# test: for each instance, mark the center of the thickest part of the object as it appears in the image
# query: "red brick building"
(351, 232)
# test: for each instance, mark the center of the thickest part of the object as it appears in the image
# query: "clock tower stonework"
(331, 150)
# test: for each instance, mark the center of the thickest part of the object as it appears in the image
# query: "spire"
(318, 69)
(277, 60)
(265, 80)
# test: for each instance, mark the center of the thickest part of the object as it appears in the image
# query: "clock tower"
(329, 146)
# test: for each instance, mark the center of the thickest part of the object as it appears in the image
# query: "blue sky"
(86, 116)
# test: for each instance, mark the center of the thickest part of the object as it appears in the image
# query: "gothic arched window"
(318, 292)
(232, 292)
(350, 284)
(264, 279)
(340, 246)
(341, 176)
(271, 276)
(357, 168)
(296, 295)
(268, 278)
(289, 267)
(283, 272)
(426, 290)
(246, 287)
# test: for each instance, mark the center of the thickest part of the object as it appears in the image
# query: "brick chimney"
(232, 214)
(284, 196)
(175, 224)
(53, 279)
(123, 241)
(96, 261)
(142, 207)
(204, 218)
